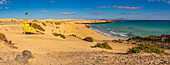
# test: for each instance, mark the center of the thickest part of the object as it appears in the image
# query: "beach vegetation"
(51, 22)
(13, 20)
(44, 24)
(146, 47)
(57, 23)
(61, 35)
(89, 39)
(104, 45)
(36, 26)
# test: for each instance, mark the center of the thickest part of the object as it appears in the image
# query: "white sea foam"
(121, 34)
(106, 34)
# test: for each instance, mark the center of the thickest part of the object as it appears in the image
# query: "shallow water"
(127, 29)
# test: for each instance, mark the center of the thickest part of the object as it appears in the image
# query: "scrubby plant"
(13, 20)
(89, 39)
(146, 47)
(44, 24)
(51, 22)
(103, 45)
(36, 26)
(62, 36)
(57, 23)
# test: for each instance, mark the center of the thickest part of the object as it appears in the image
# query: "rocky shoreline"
(162, 41)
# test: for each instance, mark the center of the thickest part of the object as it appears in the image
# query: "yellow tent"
(27, 27)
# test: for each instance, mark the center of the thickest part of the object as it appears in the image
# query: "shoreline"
(105, 34)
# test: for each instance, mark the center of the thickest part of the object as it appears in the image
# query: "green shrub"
(44, 24)
(99, 45)
(62, 36)
(36, 26)
(57, 23)
(89, 39)
(147, 47)
(103, 45)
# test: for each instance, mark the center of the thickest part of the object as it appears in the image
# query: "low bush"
(103, 45)
(89, 39)
(51, 22)
(44, 24)
(36, 26)
(57, 23)
(146, 47)
(62, 36)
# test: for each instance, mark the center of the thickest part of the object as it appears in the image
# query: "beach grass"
(146, 47)
(61, 35)
(44, 24)
(89, 39)
(57, 23)
(36, 26)
(103, 45)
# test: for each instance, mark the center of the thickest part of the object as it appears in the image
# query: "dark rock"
(21, 59)
(24, 57)
(27, 53)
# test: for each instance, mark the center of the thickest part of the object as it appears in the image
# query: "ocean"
(131, 28)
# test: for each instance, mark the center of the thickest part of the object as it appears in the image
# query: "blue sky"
(86, 9)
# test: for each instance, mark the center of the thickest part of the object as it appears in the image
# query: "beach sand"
(51, 50)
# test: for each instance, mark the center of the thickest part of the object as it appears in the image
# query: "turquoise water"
(127, 29)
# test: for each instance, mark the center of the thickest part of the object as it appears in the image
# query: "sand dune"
(45, 47)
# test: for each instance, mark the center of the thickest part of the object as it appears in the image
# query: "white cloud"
(45, 11)
(6, 7)
(68, 13)
(52, 1)
(3, 1)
